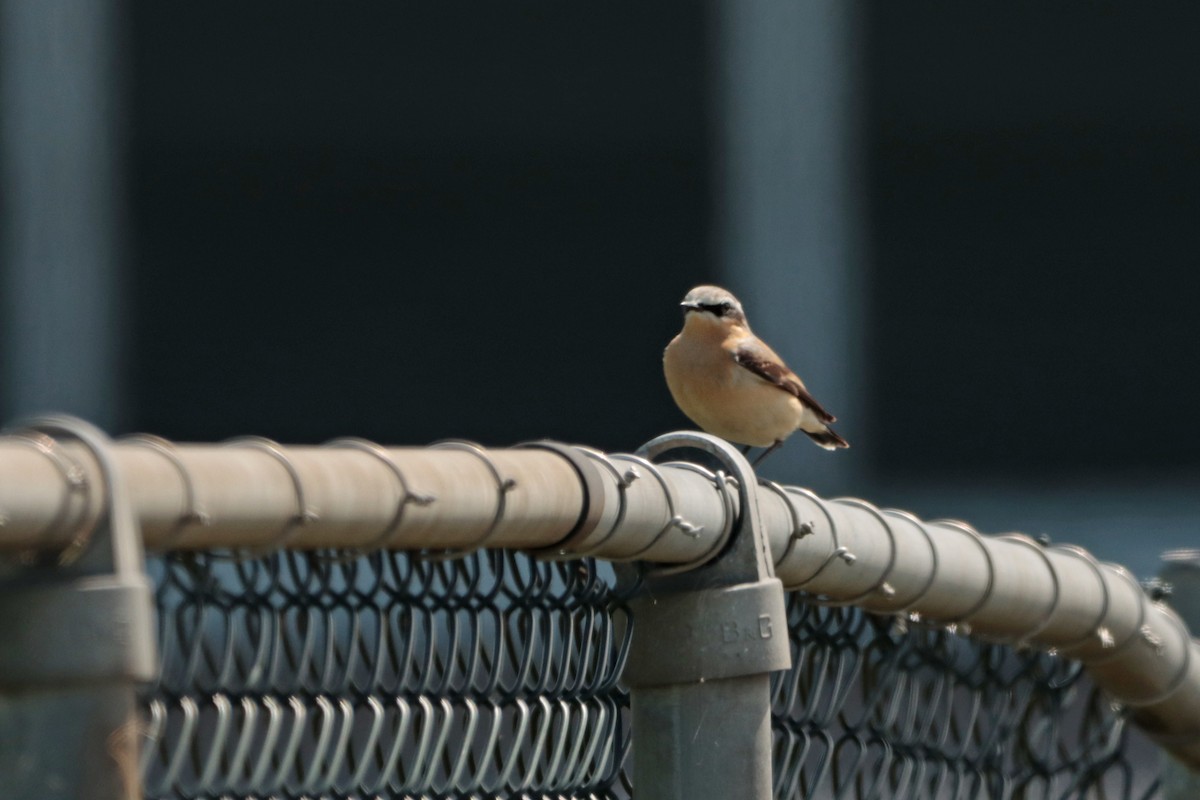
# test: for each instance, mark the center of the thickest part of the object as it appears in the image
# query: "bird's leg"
(767, 452)
(746, 450)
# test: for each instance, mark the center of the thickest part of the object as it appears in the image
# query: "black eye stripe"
(720, 309)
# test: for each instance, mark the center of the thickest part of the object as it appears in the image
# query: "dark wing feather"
(774, 372)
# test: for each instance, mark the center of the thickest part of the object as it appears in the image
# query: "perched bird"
(727, 381)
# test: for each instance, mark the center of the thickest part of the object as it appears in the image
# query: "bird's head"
(712, 304)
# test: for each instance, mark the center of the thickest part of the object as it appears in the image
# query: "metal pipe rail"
(254, 495)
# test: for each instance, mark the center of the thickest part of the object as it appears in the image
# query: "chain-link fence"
(297, 675)
(549, 622)
(497, 676)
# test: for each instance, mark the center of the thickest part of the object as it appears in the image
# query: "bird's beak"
(689, 306)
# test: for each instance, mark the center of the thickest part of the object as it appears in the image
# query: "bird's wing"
(765, 364)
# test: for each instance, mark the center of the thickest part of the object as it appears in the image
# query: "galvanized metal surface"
(703, 650)
(252, 496)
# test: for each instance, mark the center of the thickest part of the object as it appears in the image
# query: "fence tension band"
(593, 500)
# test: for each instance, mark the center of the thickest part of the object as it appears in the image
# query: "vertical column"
(783, 93)
(699, 678)
(59, 200)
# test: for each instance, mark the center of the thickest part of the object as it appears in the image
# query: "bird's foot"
(766, 453)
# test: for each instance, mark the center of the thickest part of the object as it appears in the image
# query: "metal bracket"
(88, 620)
(704, 642)
(724, 619)
(593, 499)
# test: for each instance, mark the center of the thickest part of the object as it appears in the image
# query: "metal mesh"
(302, 675)
(875, 707)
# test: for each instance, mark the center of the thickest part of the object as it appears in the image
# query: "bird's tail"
(828, 438)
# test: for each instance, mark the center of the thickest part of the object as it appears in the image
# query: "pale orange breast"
(724, 398)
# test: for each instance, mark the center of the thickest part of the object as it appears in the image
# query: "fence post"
(704, 644)
(76, 636)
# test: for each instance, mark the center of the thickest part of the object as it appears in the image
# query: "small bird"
(727, 381)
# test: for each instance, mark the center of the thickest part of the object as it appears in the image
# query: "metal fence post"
(704, 644)
(1180, 577)
(76, 636)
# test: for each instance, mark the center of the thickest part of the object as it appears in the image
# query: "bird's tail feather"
(827, 438)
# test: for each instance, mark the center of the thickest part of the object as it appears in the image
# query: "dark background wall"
(412, 221)
(1035, 200)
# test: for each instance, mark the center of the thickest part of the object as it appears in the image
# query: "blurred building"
(974, 235)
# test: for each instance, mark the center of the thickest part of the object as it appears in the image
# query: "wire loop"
(75, 484)
(304, 515)
(1112, 648)
(723, 483)
(193, 512)
(837, 551)
(1043, 619)
(503, 487)
(674, 519)
(891, 562)
(933, 554)
(1179, 677)
(1095, 627)
(799, 528)
(407, 496)
(623, 481)
(977, 538)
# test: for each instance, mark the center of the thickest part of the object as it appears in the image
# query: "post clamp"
(88, 620)
(724, 619)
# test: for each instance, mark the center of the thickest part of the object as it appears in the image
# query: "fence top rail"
(253, 495)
